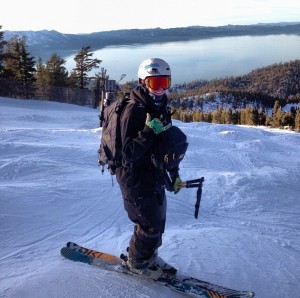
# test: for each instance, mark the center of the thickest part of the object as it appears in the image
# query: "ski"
(178, 282)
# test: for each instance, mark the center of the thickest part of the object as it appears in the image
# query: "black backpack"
(168, 152)
(110, 151)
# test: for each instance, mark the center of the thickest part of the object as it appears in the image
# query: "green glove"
(177, 184)
(156, 124)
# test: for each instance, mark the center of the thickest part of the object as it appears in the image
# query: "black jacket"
(138, 175)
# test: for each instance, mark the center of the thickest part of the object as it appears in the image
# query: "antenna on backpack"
(122, 77)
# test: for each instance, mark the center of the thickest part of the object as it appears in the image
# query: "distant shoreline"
(44, 43)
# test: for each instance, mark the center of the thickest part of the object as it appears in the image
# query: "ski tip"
(67, 252)
(75, 255)
(70, 243)
(64, 251)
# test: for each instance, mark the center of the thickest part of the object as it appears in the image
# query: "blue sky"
(74, 16)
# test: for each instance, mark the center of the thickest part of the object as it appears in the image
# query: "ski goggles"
(159, 82)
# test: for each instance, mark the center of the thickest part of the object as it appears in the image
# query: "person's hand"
(177, 185)
(156, 124)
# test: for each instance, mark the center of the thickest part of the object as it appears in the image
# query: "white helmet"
(153, 67)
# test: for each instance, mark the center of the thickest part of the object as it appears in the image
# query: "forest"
(266, 96)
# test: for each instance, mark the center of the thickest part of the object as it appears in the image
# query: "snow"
(52, 191)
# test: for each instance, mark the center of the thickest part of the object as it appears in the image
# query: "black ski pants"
(148, 212)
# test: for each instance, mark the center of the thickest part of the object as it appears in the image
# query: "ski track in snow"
(52, 191)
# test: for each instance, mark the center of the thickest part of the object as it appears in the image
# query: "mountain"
(262, 86)
(44, 43)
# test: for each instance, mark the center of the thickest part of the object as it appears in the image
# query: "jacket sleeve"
(137, 137)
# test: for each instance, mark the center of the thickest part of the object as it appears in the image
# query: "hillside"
(262, 86)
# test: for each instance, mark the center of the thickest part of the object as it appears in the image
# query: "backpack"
(167, 153)
(110, 151)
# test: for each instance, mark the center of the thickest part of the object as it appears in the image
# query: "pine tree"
(227, 116)
(242, 117)
(297, 119)
(84, 64)
(217, 115)
(207, 116)
(56, 72)
(176, 113)
(276, 115)
(40, 75)
(235, 117)
(73, 79)
(99, 86)
(251, 116)
(287, 119)
(20, 65)
(268, 120)
(261, 116)
(197, 116)
(2, 55)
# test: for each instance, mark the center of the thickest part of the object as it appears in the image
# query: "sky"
(74, 16)
(52, 191)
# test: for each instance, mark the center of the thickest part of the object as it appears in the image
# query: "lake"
(199, 59)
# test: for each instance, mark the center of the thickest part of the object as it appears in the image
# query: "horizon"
(159, 14)
(252, 24)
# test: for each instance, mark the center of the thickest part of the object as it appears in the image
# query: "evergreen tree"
(288, 119)
(268, 120)
(227, 116)
(176, 113)
(20, 65)
(2, 55)
(12, 52)
(84, 64)
(261, 116)
(207, 116)
(55, 71)
(197, 116)
(235, 117)
(251, 116)
(242, 117)
(276, 115)
(73, 79)
(297, 119)
(217, 115)
(100, 79)
(40, 75)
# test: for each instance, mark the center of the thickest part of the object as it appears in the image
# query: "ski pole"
(194, 183)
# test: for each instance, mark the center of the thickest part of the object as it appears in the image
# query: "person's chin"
(158, 93)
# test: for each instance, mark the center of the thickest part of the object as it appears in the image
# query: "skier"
(140, 180)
